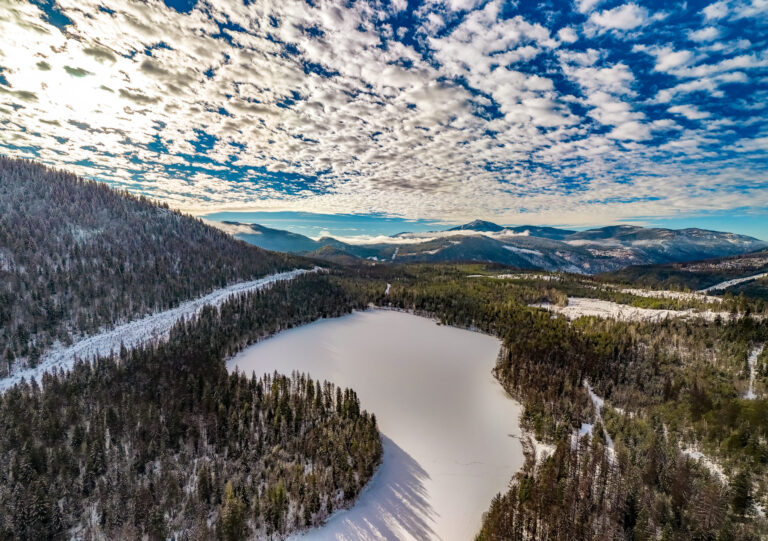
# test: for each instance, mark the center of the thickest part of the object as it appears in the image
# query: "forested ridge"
(161, 441)
(669, 386)
(76, 255)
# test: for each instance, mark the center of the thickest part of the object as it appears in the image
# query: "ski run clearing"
(735, 281)
(579, 306)
(152, 327)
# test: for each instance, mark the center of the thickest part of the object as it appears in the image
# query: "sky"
(418, 112)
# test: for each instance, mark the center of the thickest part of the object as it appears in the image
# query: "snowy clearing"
(664, 294)
(735, 281)
(531, 276)
(152, 327)
(579, 306)
(450, 433)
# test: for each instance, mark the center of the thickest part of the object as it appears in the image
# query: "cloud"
(567, 35)
(585, 6)
(667, 59)
(332, 106)
(690, 112)
(715, 11)
(624, 17)
(708, 33)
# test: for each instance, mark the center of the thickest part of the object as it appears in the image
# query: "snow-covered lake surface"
(134, 333)
(450, 434)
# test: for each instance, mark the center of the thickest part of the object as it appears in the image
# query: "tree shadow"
(394, 505)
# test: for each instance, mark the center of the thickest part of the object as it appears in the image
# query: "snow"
(394, 254)
(664, 294)
(531, 276)
(522, 250)
(735, 281)
(152, 327)
(450, 433)
(713, 467)
(540, 449)
(598, 404)
(579, 306)
(752, 364)
(386, 291)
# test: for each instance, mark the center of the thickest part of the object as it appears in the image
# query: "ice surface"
(450, 433)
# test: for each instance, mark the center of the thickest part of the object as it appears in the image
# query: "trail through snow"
(598, 402)
(152, 327)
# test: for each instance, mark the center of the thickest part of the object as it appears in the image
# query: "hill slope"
(697, 275)
(76, 255)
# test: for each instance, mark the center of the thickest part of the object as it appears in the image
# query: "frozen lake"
(450, 433)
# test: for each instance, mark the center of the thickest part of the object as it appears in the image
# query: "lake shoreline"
(422, 476)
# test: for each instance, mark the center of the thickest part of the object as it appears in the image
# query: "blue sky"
(589, 112)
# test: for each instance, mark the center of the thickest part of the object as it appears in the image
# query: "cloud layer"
(578, 113)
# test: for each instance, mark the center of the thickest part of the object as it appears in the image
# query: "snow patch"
(664, 294)
(522, 250)
(713, 467)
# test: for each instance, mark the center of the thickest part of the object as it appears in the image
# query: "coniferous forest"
(76, 255)
(670, 385)
(162, 442)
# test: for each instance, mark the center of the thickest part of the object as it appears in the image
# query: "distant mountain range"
(528, 247)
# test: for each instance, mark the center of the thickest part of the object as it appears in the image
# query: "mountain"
(76, 255)
(478, 225)
(271, 239)
(591, 251)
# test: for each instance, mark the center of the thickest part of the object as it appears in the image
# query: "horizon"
(570, 114)
(363, 228)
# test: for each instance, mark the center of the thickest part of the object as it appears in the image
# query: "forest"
(162, 441)
(76, 255)
(670, 386)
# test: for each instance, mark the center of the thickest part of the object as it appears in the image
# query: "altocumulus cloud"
(570, 113)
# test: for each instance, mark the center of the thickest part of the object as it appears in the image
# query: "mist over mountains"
(528, 247)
